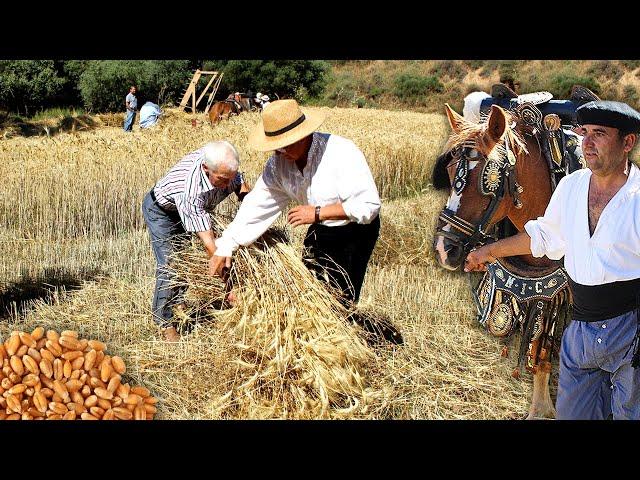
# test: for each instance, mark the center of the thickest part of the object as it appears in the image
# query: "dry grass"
(231, 367)
(72, 205)
(92, 183)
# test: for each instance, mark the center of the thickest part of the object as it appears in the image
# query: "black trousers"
(344, 252)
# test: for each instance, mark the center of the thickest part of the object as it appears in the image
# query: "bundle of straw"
(291, 352)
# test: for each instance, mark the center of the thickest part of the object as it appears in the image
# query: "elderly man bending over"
(180, 203)
(149, 114)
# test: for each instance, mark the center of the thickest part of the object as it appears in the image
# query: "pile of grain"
(62, 377)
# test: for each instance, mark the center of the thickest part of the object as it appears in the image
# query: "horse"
(497, 170)
(233, 105)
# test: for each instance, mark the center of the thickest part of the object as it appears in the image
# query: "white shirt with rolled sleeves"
(336, 171)
(612, 253)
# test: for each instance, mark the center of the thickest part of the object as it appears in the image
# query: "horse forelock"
(469, 134)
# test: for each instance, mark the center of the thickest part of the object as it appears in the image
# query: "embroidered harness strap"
(497, 177)
(537, 306)
(456, 222)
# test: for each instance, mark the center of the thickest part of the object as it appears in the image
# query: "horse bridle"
(497, 177)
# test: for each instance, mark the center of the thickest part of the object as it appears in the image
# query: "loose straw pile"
(291, 352)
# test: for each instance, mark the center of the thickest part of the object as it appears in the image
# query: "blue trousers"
(167, 233)
(128, 120)
(596, 379)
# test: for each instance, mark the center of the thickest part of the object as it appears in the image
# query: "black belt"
(350, 229)
(164, 209)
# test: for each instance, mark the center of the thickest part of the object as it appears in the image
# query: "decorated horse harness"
(512, 296)
(497, 178)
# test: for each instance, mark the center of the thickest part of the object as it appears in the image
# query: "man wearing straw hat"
(593, 221)
(328, 176)
(179, 203)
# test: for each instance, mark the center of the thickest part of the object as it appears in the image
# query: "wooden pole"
(206, 88)
(190, 89)
(213, 93)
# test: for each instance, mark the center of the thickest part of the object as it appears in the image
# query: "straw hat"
(283, 123)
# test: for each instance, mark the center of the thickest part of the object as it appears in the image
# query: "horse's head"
(475, 168)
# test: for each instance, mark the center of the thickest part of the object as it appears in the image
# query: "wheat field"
(70, 217)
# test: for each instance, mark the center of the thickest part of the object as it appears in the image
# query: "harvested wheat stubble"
(290, 351)
(76, 218)
(59, 376)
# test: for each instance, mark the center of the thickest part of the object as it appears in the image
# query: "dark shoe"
(378, 326)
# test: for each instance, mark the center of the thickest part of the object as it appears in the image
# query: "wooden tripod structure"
(216, 77)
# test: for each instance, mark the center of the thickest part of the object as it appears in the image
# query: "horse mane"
(468, 135)
(469, 132)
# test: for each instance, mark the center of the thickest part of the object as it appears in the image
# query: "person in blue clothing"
(131, 103)
(149, 113)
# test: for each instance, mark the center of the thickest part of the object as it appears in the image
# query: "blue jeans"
(129, 119)
(166, 233)
(596, 378)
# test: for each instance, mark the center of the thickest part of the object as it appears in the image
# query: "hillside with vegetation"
(425, 85)
(28, 89)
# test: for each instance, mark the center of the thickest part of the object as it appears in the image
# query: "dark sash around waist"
(351, 230)
(593, 303)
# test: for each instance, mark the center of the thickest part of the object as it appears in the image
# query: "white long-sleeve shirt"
(612, 253)
(336, 171)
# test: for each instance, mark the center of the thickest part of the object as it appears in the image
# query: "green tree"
(71, 70)
(413, 87)
(26, 85)
(300, 79)
(105, 83)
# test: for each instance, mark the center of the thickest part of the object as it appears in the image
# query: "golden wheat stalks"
(295, 354)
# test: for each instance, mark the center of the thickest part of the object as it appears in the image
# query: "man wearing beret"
(593, 220)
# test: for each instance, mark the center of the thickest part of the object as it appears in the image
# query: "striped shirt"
(187, 190)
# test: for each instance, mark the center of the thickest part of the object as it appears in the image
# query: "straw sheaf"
(294, 354)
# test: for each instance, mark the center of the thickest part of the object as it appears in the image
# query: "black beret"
(609, 114)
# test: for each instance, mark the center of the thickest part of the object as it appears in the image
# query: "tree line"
(29, 86)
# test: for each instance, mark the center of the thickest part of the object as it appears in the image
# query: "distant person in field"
(131, 102)
(149, 114)
(265, 101)
(513, 85)
(258, 100)
(261, 100)
(179, 204)
(328, 177)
